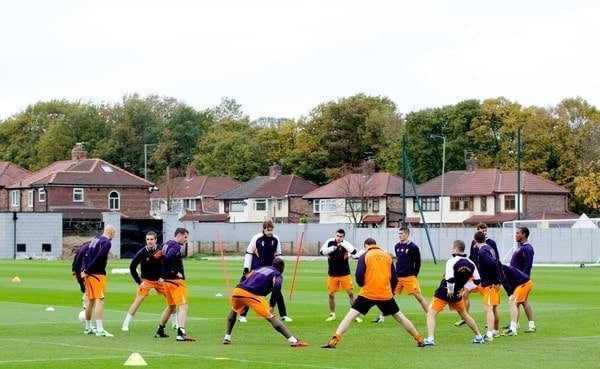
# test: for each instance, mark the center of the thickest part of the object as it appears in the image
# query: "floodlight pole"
(146, 159)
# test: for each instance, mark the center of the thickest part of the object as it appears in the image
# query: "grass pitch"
(565, 300)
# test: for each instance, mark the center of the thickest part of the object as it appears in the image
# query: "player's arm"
(133, 266)
(278, 250)
(250, 253)
(326, 249)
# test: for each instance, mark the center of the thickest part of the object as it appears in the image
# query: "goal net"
(560, 241)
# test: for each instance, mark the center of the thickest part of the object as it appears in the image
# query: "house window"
(78, 195)
(510, 202)
(375, 205)
(427, 204)
(30, 199)
(15, 196)
(156, 204)
(461, 203)
(114, 202)
(176, 205)
(259, 205)
(324, 206)
(236, 206)
(276, 203)
(46, 247)
(42, 195)
(21, 247)
(483, 203)
(191, 204)
(356, 205)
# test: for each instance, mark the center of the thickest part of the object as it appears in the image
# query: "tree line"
(157, 135)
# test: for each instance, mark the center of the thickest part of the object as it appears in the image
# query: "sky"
(283, 58)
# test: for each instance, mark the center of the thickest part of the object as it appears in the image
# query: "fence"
(552, 245)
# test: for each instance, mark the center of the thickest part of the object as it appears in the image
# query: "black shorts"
(387, 307)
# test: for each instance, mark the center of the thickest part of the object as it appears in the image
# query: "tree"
(47, 131)
(342, 134)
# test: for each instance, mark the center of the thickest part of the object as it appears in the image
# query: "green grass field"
(566, 304)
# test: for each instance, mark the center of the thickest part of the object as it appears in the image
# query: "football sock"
(292, 339)
(99, 325)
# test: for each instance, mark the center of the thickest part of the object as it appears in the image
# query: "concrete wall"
(31, 230)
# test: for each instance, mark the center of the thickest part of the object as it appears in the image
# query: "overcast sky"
(283, 58)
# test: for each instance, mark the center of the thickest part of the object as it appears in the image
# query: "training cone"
(16, 279)
(135, 359)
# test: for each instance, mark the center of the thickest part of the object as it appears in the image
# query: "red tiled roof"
(282, 185)
(194, 187)
(86, 172)
(11, 173)
(373, 219)
(412, 220)
(354, 185)
(490, 219)
(205, 218)
(485, 182)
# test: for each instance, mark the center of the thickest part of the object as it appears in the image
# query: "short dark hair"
(481, 226)
(405, 229)
(370, 241)
(181, 230)
(151, 233)
(479, 237)
(524, 230)
(268, 224)
(278, 264)
(341, 231)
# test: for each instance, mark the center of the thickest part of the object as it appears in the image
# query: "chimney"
(274, 170)
(78, 152)
(190, 172)
(472, 163)
(368, 167)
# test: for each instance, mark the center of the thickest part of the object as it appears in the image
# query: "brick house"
(192, 197)
(81, 189)
(9, 173)
(274, 197)
(367, 199)
(490, 196)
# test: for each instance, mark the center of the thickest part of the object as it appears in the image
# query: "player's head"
(181, 235)
(109, 231)
(458, 246)
(479, 237)
(522, 234)
(403, 233)
(268, 228)
(151, 240)
(482, 227)
(278, 264)
(370, 242)
(339, 235)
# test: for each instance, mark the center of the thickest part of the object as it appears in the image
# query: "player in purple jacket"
(176, 292)
(489, 270)
(93, 271)
(459, 271)
(522, 259)
(251, 292)
(518, 285)
(262, 249)
(473, 255)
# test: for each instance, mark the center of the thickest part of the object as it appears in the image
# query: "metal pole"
(146, 159)
(443, 172)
